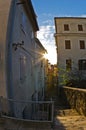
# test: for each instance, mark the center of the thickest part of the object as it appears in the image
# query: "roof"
(31, 13)
(39, 43)
(69, 17)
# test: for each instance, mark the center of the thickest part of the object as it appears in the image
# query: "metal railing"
(42, 111)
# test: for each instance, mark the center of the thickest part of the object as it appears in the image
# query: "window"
(22, 68)
(23, 22)
(68, 64)
(82, 44)
(82, 64)
(32, 34)
(80, 28)
(67, 44)
(66, 27)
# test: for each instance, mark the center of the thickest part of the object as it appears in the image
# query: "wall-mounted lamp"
(16, 45)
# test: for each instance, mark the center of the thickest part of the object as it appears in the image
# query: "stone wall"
(74, 98)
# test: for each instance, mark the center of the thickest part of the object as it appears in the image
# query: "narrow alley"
(64, 119)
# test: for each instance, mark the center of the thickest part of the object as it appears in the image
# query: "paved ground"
(69, 119)
(65, 119)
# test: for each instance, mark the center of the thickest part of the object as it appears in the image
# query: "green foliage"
(72, 78)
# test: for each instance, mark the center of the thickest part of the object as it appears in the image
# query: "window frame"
(23, 22)
(68, 64)
(23, 68)
(67, 44)
(80, 27)
(66, 27)
(82, 64)
(82, 44)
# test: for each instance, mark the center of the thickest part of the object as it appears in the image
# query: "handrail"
(37, 111)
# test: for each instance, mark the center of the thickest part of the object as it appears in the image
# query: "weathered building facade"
(21, 54)
(70, 39)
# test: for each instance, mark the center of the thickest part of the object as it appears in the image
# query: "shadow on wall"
(63, 98)
(75, 98)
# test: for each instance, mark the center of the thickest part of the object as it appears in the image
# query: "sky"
(45, 11)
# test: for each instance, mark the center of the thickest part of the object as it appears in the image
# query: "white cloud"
(48, 15)
(46, 33)
(46, 36)
(47, 22)
(84, 15)
(46, 19)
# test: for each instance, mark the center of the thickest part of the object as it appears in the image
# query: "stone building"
(21, 54)
(70, 39)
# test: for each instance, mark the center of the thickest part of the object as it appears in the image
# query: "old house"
(70, 39)
(21, 54)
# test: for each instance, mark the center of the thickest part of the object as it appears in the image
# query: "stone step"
(65, 112)
(71, 122)
(69, 119)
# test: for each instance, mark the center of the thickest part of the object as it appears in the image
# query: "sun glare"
(51, 56)
(45, 56)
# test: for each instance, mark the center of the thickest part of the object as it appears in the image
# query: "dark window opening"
(68, 64)
(66, 27)
(82, 44)
(82, 64)
(80, 28)
(67, 44)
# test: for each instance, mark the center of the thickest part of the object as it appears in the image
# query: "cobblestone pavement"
(69, 120)
(66, 119)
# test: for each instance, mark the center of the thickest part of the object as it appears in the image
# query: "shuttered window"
(82, 44)
(23, 67)
(68, 64)
(66, 27)
(67, 44)
(80, 28)
(82, 64)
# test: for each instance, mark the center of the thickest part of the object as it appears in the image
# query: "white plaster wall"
(23, 89)
(75, 53)
(73, 22)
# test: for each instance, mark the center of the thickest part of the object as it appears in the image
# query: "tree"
(72, 78)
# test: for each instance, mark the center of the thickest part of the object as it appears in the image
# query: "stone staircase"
(68, 119)
(65, 119)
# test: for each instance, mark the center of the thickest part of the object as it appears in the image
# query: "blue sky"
(46, 10)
